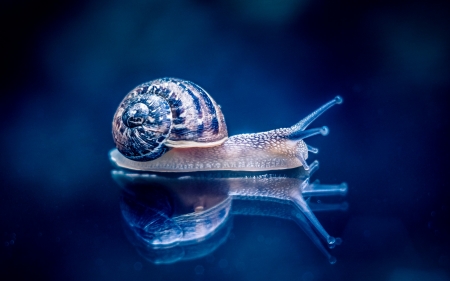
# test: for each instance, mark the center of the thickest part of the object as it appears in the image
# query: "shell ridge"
(198, 107)
(209, 105)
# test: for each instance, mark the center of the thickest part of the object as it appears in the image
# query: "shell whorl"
(166, 113)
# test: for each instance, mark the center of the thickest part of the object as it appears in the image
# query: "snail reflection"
(179, 216)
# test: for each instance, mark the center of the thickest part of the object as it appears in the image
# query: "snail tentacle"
(312, 149)
(305, 122)
(299, 135)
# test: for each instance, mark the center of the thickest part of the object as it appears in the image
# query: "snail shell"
(166, 113)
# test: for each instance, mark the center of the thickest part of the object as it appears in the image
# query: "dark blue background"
(66, 65)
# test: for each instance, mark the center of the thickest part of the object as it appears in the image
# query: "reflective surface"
(172, 217)
(68, 64)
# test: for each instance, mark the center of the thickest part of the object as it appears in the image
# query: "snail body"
(172, 125)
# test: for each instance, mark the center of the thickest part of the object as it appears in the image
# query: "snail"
(173, 125)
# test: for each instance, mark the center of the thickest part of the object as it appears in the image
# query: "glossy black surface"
(67, 66)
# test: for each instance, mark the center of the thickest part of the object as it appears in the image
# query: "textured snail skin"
(246, 152)
(196, 139)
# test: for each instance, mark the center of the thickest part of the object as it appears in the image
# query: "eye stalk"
(298, 131)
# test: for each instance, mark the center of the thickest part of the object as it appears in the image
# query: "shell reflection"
(181, 216)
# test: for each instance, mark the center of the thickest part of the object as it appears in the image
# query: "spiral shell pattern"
(166, 113)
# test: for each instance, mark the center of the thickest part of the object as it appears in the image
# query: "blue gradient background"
(67, 65)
